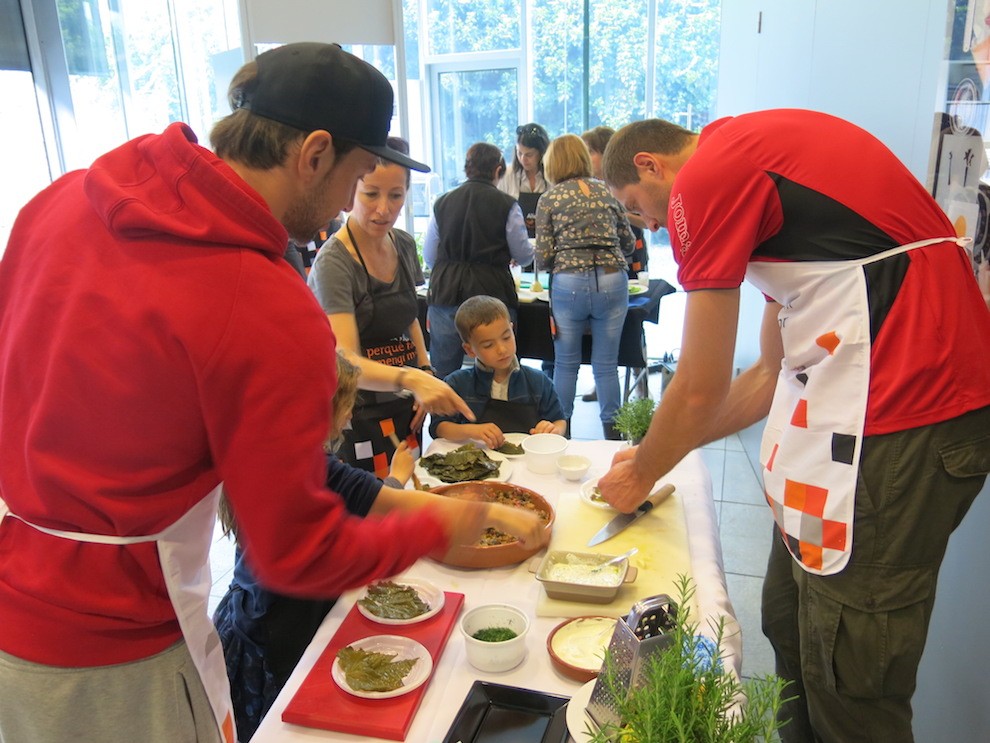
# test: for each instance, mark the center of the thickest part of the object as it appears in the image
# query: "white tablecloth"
(453, 675)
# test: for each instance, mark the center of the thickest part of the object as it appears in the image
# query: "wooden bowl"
(589, 667)
(478, 556)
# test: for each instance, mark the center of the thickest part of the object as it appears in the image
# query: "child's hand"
(402, 463)
(487, 432)
(545, 427)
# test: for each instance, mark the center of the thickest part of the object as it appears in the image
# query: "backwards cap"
(313, 86)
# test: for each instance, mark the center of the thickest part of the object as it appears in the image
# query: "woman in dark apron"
(365, 278)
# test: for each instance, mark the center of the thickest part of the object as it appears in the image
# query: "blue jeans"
(446, 351)
(580, 298)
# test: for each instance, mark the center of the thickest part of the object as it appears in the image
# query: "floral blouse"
(580, 225)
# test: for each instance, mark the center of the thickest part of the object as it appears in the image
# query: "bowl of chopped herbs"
(495, 636)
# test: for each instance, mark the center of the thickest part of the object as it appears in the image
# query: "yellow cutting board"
(660, 535)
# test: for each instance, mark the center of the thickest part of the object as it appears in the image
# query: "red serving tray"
(320, 703)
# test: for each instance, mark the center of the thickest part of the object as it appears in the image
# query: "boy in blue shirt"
(504, 396)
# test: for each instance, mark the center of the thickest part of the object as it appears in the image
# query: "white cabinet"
(876, 63)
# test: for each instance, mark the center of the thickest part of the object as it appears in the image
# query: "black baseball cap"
(313, 86)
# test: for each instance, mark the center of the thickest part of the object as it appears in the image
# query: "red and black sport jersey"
(792, 185)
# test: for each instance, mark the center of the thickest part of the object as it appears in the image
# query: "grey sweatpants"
(156, 700)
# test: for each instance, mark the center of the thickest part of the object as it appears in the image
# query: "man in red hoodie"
(148, 325)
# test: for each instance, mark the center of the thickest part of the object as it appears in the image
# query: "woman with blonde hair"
(583, 237)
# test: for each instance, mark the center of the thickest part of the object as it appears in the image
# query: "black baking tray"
(495, 713)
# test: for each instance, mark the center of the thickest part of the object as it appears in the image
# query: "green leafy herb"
(393, 601)
(494, 634)
(467, 462)
(633, 418)
(367, 671)
(509, 448)
(683, 693)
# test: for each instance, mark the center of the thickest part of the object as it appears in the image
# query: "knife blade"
(624, 520)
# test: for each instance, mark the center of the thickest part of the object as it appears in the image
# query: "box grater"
(643, 632)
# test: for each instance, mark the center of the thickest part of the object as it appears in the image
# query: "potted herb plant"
(684, 694)
(632, 420)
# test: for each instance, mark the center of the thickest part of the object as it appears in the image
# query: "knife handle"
(657, 497)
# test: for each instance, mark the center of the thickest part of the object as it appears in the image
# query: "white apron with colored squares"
(184, 554)
(814, 433)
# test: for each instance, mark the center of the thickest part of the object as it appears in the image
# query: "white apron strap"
(184, 554)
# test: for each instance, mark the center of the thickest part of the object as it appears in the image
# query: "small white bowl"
(573, 466)
(495, 656)
(542, 450)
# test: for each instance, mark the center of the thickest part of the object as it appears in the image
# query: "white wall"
(879, 64)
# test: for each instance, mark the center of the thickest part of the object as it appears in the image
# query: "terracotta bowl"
(589, 666)
(498, 555)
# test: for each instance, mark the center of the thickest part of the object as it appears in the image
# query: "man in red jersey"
(153, 343)
(874, 376)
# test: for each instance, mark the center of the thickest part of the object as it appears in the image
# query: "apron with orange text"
(814, 433)
(184, 551)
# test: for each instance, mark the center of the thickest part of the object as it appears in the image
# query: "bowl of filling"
(583, 576)
(495, 637)
(495, 548)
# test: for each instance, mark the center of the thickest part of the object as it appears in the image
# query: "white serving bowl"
(573, 466)
(542, 450)
(495, 656)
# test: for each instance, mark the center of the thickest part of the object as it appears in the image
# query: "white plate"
(512, 438)
(504, 471)
(403, 648)
(525, 296)
(578, 720)
(428, 592)
(543, 296)
(586, 492)
(635, 289)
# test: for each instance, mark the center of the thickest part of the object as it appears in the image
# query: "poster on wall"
(959, 178)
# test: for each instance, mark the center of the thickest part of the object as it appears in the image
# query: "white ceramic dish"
(573, 466)
(494, 657)
(542, 450)
(588, 492)
(404, 649)
(578, 720)
(429, 593)
(635, 289)
(504, 471)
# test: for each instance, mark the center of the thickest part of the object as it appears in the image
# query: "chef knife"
(624, 520)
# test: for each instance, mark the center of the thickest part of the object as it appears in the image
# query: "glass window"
(28, 159)
(687, 43)
(122, 73)
(558, 62)
(456, 26)
(619, 58)
(474, 106)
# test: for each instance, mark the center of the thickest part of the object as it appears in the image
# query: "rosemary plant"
(684, 695)
(633, 418)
